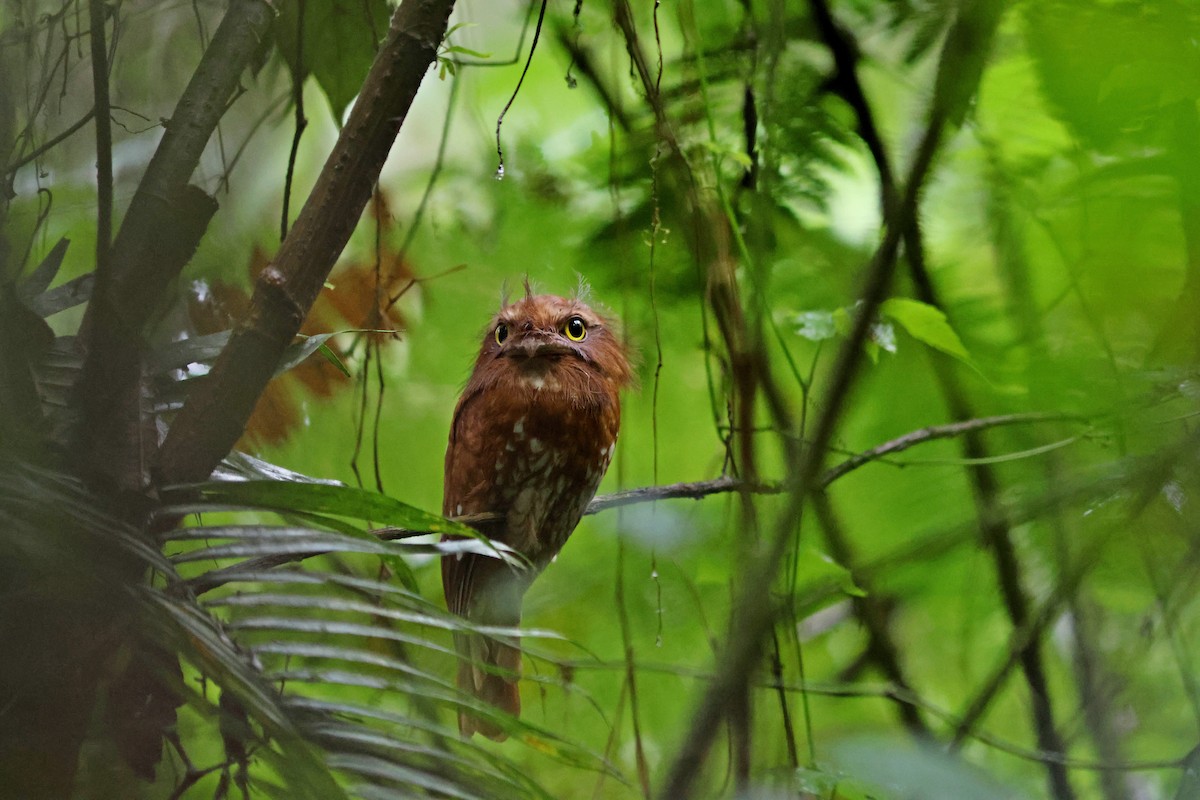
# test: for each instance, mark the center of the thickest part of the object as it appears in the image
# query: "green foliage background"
(1062, 230)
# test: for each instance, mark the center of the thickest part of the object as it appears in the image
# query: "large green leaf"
(336, 44)
(347, 501)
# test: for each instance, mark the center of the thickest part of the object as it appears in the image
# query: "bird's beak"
(534, 344)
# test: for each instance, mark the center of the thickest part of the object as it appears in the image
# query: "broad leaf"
(925, 323)
(336, 45)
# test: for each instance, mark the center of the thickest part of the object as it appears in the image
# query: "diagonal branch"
(753, 614)
(159, 234)
(995, 527)
(216, 412)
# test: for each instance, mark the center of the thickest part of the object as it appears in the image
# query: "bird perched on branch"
(533, 434)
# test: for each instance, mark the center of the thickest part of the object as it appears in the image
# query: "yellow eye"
(501, 333)
(575, 330)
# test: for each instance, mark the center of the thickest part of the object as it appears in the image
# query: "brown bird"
(533, 434)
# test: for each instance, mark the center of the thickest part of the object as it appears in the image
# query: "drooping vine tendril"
(537, 32)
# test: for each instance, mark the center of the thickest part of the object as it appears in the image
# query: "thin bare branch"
(696, 490)
(41, 150)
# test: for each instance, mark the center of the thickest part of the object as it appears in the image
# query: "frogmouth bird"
(533, 434)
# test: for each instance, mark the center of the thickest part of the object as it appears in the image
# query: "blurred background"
(1006, 608)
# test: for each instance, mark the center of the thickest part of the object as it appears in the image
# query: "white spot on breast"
(519, 428)
(535, 445)
(536, 381)
(458, 510)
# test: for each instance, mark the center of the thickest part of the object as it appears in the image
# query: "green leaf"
(925, 323)
(332, 358)
(60, 298)
(36, 282)
(298, 351)
(909, 770)
(347, 501)
(337, 44)
(466, 51)
(815, 566)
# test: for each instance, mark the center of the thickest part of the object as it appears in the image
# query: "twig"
(537, 33)
(932, 432)
(582, 59)
(40, 151)
(301, 121)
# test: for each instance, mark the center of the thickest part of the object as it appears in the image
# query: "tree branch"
(41, 150)
(696, 490)
(995, 528)
(754, 612)
(104, 175)
(871, 609)
(217, 410)
(160, 232)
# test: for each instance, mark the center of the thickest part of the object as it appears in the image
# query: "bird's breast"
(554, 455)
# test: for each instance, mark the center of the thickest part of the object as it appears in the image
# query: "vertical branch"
(985, 485)
(104, 176)
(870, 609)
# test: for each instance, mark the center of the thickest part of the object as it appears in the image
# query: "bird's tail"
(489, 668)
